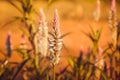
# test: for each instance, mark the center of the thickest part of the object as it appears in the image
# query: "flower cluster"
(55, 41)
(113, 22)
(44, 43)
(42, 38)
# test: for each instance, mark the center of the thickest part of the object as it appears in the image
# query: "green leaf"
(45, 71)
(37, 13)
(71, 62)
(1, 70)
(92, 30)
(3, 66)
(20, 68)
(24, 32)
(64, 35)
(48, 77)
(102, 72)
(3, 53)
(88, 73)
(51, 34)
(11, 21)
(20, 52)
(99, 34)
(92, 37)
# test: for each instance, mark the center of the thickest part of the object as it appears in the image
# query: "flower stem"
(54, 72)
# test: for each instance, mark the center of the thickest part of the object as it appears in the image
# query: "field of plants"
(59, 40)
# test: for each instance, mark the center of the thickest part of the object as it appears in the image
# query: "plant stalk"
(54, 73)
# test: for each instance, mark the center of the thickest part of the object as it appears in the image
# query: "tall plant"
(37, 56)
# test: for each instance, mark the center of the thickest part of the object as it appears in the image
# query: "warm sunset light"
(59, 39)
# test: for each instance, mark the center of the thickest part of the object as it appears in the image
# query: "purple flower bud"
(8, 44)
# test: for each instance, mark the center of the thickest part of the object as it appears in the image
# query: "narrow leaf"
(11, 21)
(20, 52)
(3, 53)
(24, 32)
(20, 68)
(64, 35)
(14, 5)
(71, 62)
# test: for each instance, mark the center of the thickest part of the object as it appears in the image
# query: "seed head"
(55, 41)
(42, 36)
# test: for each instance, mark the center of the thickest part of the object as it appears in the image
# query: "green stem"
(88, 73)
(36, 54)
(54, 73)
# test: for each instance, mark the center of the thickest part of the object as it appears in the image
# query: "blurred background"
(76, 16)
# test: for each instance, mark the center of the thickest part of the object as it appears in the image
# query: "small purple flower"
(8, 44)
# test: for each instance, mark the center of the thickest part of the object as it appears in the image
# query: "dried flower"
(55, 41)
(42, 37)
(8, 44)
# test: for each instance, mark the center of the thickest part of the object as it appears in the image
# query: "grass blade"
(64, 35)
(11, 21)
(20, 68)
(14, 5)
